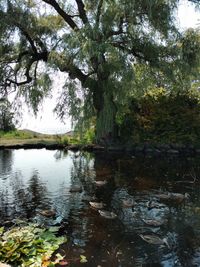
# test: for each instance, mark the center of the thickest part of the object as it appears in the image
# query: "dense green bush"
(160, 116)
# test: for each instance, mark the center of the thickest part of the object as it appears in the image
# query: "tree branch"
(82, 12)
(35, 71)
(26, 34)
(66, 64)
(67, 18)
(131, 51)
(119, 31)
(9, 81)
(34, 58)
(22, 54)
(99, 12)
(74, 72)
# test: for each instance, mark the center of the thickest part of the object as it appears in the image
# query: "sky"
(188, 16)
(47, 122)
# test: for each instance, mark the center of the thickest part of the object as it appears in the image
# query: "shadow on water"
(156, 200)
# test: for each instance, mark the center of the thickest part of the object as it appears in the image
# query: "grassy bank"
(30, 137)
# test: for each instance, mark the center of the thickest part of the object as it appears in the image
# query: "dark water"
(35, 180)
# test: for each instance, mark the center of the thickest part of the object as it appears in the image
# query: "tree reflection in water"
(6, 161)
(23, 200)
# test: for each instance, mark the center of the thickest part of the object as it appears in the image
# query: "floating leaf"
(83, 259)
(59, 257)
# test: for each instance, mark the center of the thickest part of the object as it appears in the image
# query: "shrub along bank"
(161, 117)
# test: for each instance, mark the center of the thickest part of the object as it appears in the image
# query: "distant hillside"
(27, 131)
(69, 133)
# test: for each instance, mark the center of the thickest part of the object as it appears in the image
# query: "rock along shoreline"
(146, 149)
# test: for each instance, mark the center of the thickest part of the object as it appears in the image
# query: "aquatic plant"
(30, 245)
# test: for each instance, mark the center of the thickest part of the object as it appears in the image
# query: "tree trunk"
(106, 128)
(105, 122)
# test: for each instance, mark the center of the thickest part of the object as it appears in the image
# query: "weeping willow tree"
(96, 43)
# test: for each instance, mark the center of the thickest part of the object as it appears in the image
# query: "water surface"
(36, 180)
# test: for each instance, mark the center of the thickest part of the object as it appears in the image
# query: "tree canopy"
(98, 44)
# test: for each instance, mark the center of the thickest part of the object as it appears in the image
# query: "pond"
(156, 200)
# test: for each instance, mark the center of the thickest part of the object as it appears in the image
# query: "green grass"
(18, 134)
(28, 136)
(24, 134)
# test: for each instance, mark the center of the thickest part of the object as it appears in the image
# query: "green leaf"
(59, 256)
(83, 259)
(27, 245)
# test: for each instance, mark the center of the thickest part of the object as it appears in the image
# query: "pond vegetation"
(30, 245)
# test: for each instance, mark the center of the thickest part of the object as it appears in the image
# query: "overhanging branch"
(74, 72)
(99, 9)
(117, 32)
(9, 81)
(28, 37)
(33, 58)
(67, 18)
(82, 13)
(132, 51)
